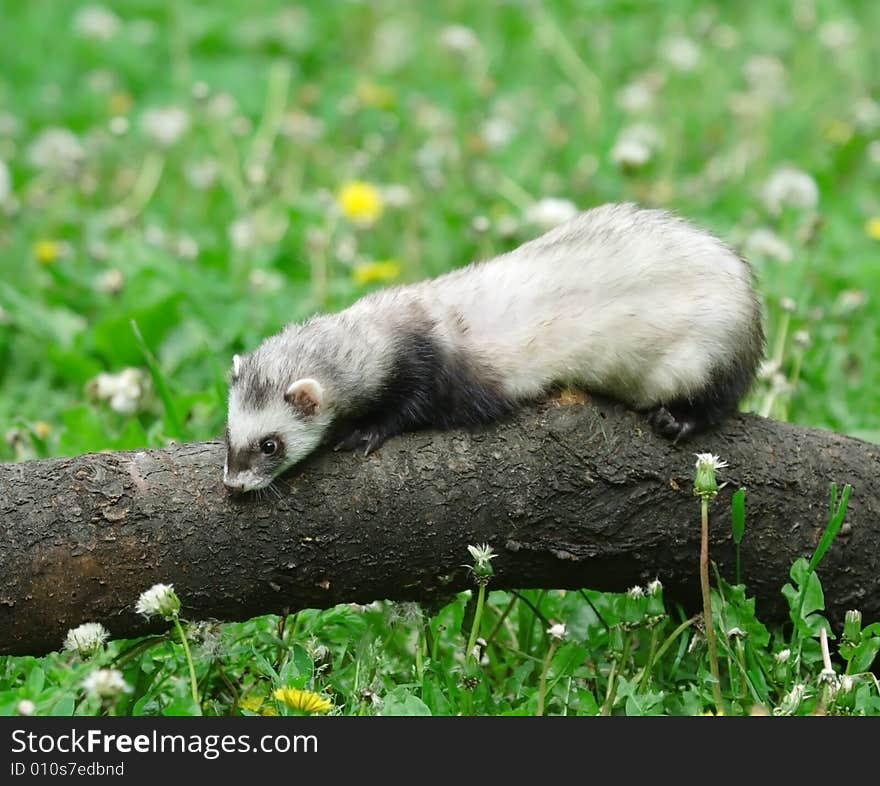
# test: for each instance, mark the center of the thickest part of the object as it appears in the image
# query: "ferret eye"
(268, 447)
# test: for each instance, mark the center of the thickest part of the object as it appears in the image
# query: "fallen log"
(569, 494)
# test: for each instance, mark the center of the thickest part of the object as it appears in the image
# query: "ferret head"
(272, 423)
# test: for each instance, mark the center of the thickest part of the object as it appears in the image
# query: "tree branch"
(569, 495)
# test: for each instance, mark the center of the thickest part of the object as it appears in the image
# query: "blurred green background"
(185, 165)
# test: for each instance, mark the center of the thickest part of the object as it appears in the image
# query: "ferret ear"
(305, 395)
(236, 366)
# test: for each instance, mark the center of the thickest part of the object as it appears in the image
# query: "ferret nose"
(232, 483)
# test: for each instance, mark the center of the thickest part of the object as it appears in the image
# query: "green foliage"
(210, 235)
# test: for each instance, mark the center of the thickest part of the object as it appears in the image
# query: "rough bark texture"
(569, 495)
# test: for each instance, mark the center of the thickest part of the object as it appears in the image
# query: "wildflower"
(792, 700)
(265, 280)
(165, 125)
(654, 587)
(459, 39)
(483, 556)
(46, 251)
(549, 212)
(851, 299)
(765, 76)
(557, 631)
(704, 478)
(86, 639)
(303, 700)
(96, 22)
(788, 305)
(681, 52)
(202, 174)
(635, 97)
(635, 146)
(254, 703)
(396, 195)
(26, 707)
(372, 272)
(789, 187)
(110, 281)
(56, 149)
(783, 655)
(852, 626)
(766, 243)
(480, 224)
(635, 592)
(801, 338)
(106, 683)
(360, 201)
(838, 34)
(222, 105)
(374, 95)
(5, 182)
(302, 127)
(872, 227)
(160, 601)
(496, 132)
(119, 125)
(866, 114)
(124, 391)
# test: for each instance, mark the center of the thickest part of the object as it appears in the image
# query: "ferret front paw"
(368, 439)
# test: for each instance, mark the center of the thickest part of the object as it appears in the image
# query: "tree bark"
(570, 495)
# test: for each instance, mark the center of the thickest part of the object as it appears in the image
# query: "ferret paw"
(368, 439)
(668, 425)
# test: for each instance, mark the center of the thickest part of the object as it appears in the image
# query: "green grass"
(212, 242)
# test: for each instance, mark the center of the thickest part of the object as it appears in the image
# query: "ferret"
(632, 303)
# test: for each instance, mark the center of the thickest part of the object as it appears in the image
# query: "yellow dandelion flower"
(251, 703)
(838, 132)
(42, 429)
(371, 272)
(46, 251)
(872, 227)
(303, 700)
(119, 102)
(360, 201)
(374, 95)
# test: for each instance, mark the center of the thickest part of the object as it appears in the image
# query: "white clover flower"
(681, 52)
(158, 601)
(496, 132)
(106, 683)
(789, 187)
(866, 114)
(202, 174)
(87, 638)
(302, 127)
(801, 338)
(56, 149)
(242, 233)
(187, 247)
(630, 154)
(26, 708)
(765, 243)
(550, 212)
(766, 77)
(851, 299)
(459, 39)
(222, 105)
(783, 655)
(635, 592)
(838, 34)
(124, 391)
(557, 631)
(96, 22)
(635, 97)
(165, 125)
(654, 587)
(5, 182)
(119, 125)
(635, 146)
(110, 281)
(480, 224)
(265, 281)
(788, 305)
(396, 195)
